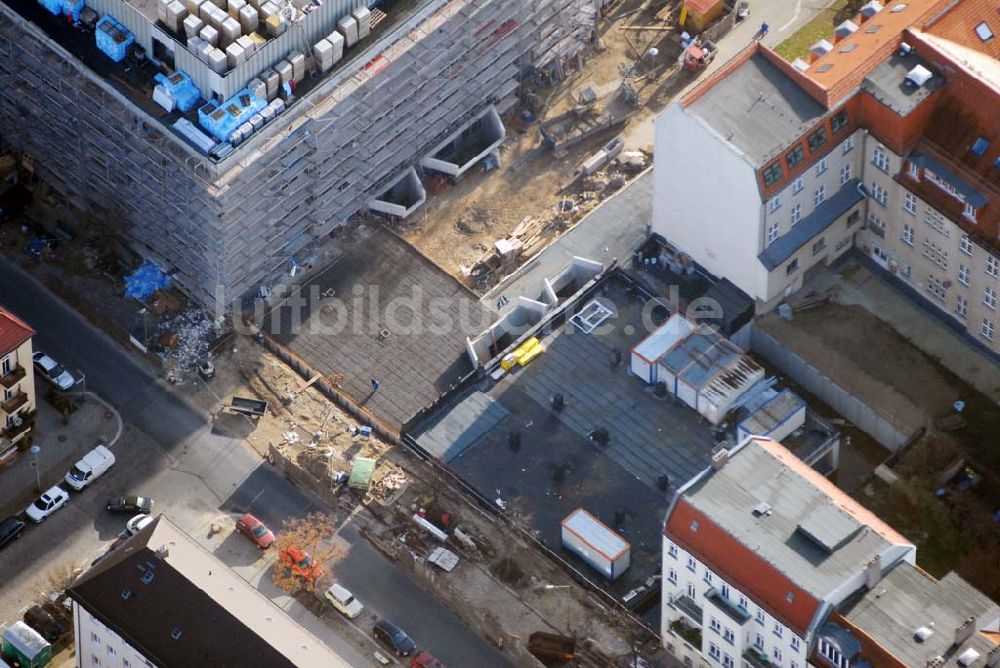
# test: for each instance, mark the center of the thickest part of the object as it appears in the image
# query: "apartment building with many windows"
(887, 143)
(774, 566)
(17, 382)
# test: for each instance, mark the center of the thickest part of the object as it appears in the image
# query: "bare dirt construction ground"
(953, 528)
(456, 226)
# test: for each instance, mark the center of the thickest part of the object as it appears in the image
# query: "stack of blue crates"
(221, 120)
(54, 6)
(181, 88)
(113, 39)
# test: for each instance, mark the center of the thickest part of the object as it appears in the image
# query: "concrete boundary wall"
(881, 427)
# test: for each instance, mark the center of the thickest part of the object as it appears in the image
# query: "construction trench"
(428, 90)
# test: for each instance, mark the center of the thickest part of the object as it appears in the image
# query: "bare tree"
(313, 534)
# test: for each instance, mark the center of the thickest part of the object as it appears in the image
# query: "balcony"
(689, 609)
(14, 403)
(11, 379)
(13, 432)
(755, 658)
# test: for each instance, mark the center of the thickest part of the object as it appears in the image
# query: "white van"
(93, 464)
(344, 601)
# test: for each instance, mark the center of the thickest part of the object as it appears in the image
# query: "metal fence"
(883, 428)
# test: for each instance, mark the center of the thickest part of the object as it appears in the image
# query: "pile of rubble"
(185, 340)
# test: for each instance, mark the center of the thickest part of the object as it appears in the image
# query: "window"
(708, 576)
(819, 246)
(965, 245)
(992, 266)
(714, 624)
(983, 31)
(797, 186)
(969, 212)
(126, 663)
(794, 156)
(672, 575)
(913, 171)
(879, 193)
(819, 195)
(880, 159)
(727, 661)
(842, 244)
(876, 225)
(937, 221)
(845, 174)
(990, 298)
(692, 592)
(796, 644)
(829, 652)
(817, 139)
(778, 629)
(907, 234)
(848, 145)
(94, 660)
(935, 254)
(839, 121)
(979, 146)
(758, 641)
(743, 601)
(961, 306)
(777, 656)
(714, 651)
(692, 564)
(853, 217)
(987, 329)
(774, 204)
(772, 232)
(695, 525)
(772, 174)
(820, 166)
(910, 203)
(760, 616)
(94, 638)
(943, 185)
(672, 550)
(905, 270)
(111, 650)
(792, 267)
(796, 213)
(729, 636)
(963, 274)
(935, 287)
(725, 591)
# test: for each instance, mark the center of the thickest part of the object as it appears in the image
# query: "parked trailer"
(594, 542)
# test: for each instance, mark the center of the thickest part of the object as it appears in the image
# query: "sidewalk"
(61, 444)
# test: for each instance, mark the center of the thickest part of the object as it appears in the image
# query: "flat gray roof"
(887, 83)
(462, 426)
(906, 599)
(753, 475)
(758, 109)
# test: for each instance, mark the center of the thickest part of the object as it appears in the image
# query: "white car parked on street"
(137, 524)
(52, 371)
(93, 464)
(48, 503)
(344, 601)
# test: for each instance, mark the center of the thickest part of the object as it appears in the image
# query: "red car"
(425, 660)
(254, 529)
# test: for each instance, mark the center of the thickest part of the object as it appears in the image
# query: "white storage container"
(258, 88)
(272, 81)
(267, 113)
(278, 105)
(298, 62)
(192, 27)
(336, 40)
(217, 61)
(591, 540)
(246, 130)
(205, 50)
(348, 27)
(267, 10)
(221, 4)
(230, 32)
(233, 7)
(323, 55)
(210, 35)
(161, 9)
(248, 21)
(364, 18)
(195, 44)
(257, 121)
(194, 6)
(176, 13)
(275, 25)
(235, 55)
(284, 70)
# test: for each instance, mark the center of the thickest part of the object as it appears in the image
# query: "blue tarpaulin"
(180, 87)
(145, 280)
(221, 121)
(113, 39)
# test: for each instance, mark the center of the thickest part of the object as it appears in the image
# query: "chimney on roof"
(965, 631)
(993, 658)
(162, 552)
(719, 458)
(873, 572)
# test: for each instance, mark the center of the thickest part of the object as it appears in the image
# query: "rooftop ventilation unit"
(923, 633)
(871, 9)
(761, 509)
(968, 657)
(918, 76)
(800, 65)
(905, 49)
(821, 48)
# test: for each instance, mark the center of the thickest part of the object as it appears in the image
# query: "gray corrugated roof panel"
(751, 476)
(462, 426)
(700, 357)
(906, 599)
(887, 84)
(806, 230)
(829, 527)
(942, 171)
(770, 411)
(758, 109)
(842, 639)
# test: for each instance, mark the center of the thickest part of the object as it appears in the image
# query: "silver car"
(52, 371)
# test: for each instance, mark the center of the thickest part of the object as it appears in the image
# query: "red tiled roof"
(959, 25)
(13, 331)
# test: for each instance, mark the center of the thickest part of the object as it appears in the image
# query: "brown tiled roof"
(13, 331)
(959, 25)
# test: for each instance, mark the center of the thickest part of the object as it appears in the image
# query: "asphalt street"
(169, 452)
